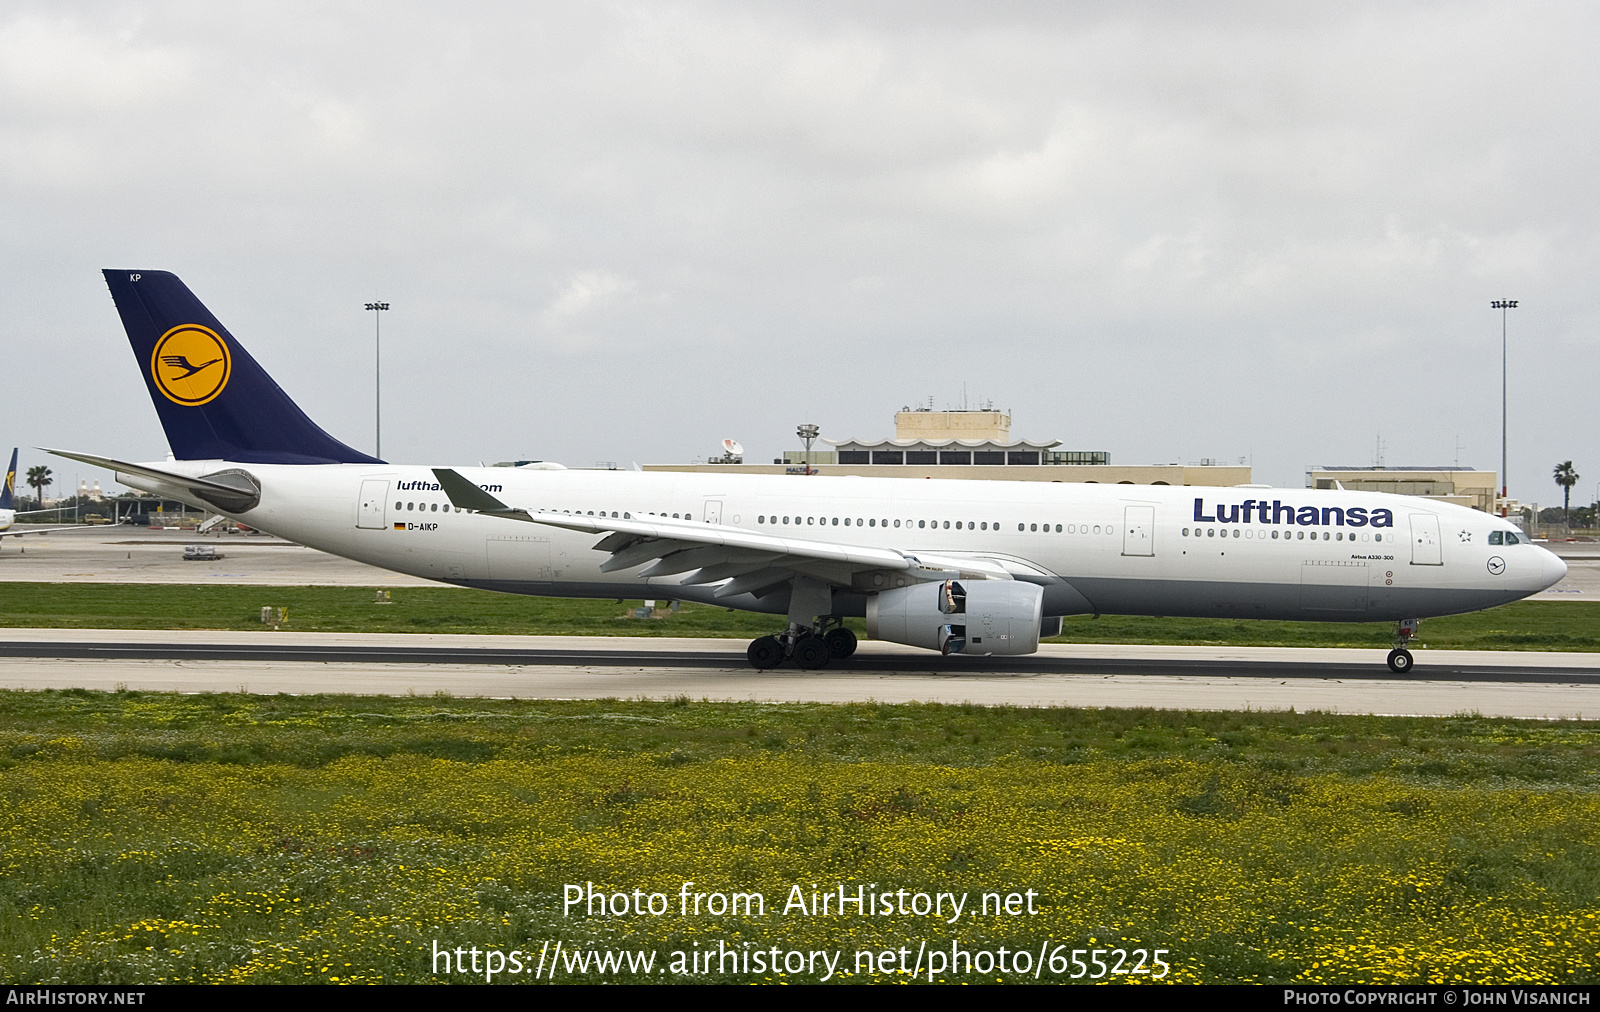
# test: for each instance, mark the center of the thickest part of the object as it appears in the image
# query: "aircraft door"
(1425, 540)
(374, 493)
(713, 511)
(1138, 530)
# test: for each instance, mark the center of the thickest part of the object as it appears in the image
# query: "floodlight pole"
(1503, 305)
(376, 308)
(808, 432)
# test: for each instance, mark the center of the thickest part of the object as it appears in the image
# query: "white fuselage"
(1154, 550)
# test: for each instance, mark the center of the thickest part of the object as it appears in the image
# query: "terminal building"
(969, 444)
(1462, 486)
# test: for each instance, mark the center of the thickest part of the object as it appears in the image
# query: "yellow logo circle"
(190, 364)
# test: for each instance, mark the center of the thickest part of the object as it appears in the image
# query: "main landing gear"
(1400, 659)
(810, 647)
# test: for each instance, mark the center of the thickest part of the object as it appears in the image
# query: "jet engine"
(960, 617)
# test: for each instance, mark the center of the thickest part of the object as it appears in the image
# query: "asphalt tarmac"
(1493, 683)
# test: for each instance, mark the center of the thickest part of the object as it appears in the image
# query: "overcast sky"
(622, 232)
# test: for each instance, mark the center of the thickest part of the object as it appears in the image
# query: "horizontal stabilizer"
(148, 472)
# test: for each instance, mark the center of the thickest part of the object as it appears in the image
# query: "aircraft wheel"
(812, 652)
(765, 653)
(1400, 661)
(841, 643)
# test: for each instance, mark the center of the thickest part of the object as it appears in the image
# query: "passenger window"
(835, 521)
(897, 523)
(411, 505)
(397, 506)
(1211, 532)
(434, 508)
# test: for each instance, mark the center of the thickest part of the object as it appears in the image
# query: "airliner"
(968, 568)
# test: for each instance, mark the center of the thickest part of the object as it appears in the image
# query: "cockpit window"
(1512, 538)
(1497, 537)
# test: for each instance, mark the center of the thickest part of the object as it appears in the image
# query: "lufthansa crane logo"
(190, 364)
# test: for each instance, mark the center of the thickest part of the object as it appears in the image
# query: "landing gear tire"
(1400, 661)
(841, 643)
(765, 653)
(812, 652)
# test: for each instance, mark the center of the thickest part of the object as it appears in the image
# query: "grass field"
(154, 837)
(1527, 625)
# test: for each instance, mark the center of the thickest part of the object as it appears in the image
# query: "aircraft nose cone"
(1555, 570)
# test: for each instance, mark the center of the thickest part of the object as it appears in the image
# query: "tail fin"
(8, 494)
(214, 401)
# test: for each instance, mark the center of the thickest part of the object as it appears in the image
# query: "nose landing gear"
(1400, 659)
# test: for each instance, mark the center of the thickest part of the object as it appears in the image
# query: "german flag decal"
(399, 527)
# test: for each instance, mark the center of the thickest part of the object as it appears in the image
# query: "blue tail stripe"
(215, 402)
(8, 494)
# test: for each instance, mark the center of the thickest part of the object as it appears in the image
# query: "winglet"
(468, 496)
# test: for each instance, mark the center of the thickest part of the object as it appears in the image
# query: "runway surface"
(1509, 684)
(140, 555)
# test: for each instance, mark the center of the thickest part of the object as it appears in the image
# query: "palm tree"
(1566, 477)
(39, 478)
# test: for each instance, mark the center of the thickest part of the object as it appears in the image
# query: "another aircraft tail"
(214, 401)
(8, 495)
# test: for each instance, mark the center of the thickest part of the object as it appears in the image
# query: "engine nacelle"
(960, 617)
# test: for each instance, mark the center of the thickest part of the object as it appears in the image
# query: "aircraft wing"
(749, 561)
